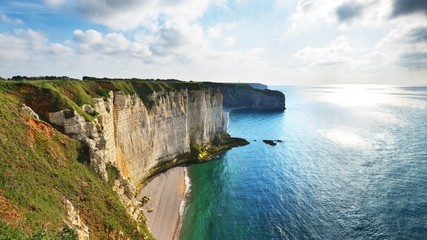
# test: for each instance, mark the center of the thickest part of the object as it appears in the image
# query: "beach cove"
(167, 198)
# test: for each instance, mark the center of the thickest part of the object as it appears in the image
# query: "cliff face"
(97, 134)
(249, 97)
(146, 138)
(136, 139)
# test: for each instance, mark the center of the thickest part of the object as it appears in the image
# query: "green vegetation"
(199, 154)
(8, 233)
(54, 95)
(50, 94)
(40, 168)
(113, 174)
(25, 78)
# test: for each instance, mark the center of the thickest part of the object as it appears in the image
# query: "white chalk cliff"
(136, 138)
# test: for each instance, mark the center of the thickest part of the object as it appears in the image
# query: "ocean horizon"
(351, 163)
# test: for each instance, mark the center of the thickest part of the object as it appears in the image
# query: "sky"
(275, 42)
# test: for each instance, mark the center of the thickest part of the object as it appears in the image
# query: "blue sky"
(277, 42)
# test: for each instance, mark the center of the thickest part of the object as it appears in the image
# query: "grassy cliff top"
(45, 96)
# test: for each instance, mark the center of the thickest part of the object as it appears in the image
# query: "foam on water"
(186, 193)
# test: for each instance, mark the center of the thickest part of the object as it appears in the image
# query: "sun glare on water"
(344, 138)
(357, 95)
(368, 99)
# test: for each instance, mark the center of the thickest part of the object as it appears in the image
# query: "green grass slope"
(41, 167)
(45, 96)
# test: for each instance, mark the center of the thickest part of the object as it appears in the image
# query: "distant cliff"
(244, 95)
(258, 86)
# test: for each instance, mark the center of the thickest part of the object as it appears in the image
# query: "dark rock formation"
(243, 95)
(272, 142)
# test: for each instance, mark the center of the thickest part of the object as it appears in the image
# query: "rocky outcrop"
(272, 142)
(126, 192)
(73, 221)
(245, 96)
(97, 134)
(30, 112)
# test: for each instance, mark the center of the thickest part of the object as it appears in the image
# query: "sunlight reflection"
(344, 138)
(357, 95)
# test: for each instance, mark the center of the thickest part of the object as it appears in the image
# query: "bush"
(68, 234)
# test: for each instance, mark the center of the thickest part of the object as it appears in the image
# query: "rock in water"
(270, 142)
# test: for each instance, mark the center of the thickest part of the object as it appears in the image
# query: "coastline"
(184, 203)
(166, 206)
(227, 111)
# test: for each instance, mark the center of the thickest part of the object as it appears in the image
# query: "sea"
(352, 164)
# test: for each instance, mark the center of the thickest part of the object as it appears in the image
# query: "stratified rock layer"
(136, 139)
(146, 138)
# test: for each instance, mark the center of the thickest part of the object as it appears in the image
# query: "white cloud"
(130, 14)
(222, 34)
(12, 47)
(402, 34)
(176, 42)
(24, 44)
(92, 43)
(372, 61)
(219, 30)
(362, 52)
(366, 13)
(332, 40)
(87, 38)
(406, 45)
(8, 20)
(336, 53)
(55, 3)
(230, 41)
(176, 48)
(58, 49)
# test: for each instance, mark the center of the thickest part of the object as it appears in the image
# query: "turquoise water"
(352, 165)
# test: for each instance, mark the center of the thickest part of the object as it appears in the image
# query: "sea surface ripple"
(352, 165)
